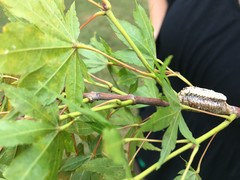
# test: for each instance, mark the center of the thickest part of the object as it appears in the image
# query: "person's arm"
(157, 10)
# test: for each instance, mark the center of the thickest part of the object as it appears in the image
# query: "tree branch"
(94, 96)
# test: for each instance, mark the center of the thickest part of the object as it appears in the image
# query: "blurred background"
(122, 8)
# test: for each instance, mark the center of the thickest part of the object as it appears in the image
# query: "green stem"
(126, 140)
(65, 126)
(108, 106)
(114, 20)
(195, 150)
(113, 89)
(188, 146)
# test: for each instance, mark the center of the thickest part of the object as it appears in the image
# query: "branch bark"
(95, 96)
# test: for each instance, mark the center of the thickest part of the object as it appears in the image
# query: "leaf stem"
(195, 150)
(65, 126)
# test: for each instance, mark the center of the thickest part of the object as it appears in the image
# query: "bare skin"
(157, 10)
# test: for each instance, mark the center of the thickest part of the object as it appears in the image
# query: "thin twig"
(100, 13)
(130, 162)
(75, 145)
(110, 85)
(63, 110)
(96, 147)
(200, 161)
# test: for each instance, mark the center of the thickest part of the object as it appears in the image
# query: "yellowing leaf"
(39, 53)
(26, 49)
(45, 14)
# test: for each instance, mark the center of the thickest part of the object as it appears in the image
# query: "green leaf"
(22, 132)
(68, 143)
(61, 5)
(86, 175)
(50, 75)
(170, 138)
(185, 130)
(113, 147)
(123, 117)
(46, 15)
(101, 44)
(147, 88)
(171, 95)
(129, 56)
(149, 146)
(74, 82)
(143, 22)
(135, 34)
(83, 128)
(27, 103)
(72, 22)
(94, 62)
(159, 120)
(35, 162)
(168, 91)
(163, 68)
(7, 155)
(73, 163)
(133, 88)
(126, 77)
(191, 175)
(56, 153)
(104, 166)
(95, 120)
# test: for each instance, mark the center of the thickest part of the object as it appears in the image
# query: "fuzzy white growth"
(202, 92)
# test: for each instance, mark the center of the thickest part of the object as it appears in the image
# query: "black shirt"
(204, 38)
